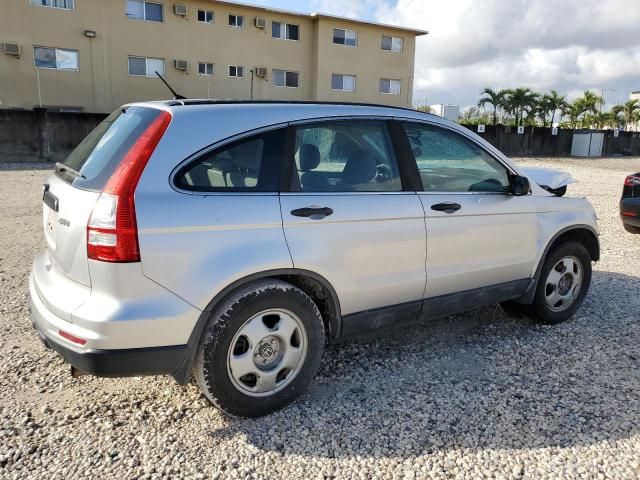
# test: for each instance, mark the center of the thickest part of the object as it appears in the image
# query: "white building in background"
(450, 112)
(635, 96)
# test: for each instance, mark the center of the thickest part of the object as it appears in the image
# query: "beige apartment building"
(95, 55)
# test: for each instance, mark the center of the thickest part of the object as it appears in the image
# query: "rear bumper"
(120, 363)
(103, 363)
(630, 211)
(124, 324)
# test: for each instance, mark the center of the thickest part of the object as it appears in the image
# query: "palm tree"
(635, 118)
(519, 101)
(495, 98)
(588, 104)
(573, 110)
(600, 120)
(554, 102)
(628, 111)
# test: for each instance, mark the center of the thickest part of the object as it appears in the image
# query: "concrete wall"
(102, 82)
(38, 135)
(539, 142)
(29, 135)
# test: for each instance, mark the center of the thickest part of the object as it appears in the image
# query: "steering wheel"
(383, 173)
(488, 185)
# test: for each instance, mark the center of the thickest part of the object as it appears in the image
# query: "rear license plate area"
(50, 217)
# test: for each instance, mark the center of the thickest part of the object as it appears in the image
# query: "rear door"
(480, 238)
(222, 224)
(71, 193)
(350, 220)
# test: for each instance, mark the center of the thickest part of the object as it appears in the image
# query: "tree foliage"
(523, 106)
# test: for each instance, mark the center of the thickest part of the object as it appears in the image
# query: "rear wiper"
(61, 167)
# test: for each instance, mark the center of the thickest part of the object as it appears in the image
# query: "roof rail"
(186, 102)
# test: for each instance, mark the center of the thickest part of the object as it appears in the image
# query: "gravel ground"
(478, 395)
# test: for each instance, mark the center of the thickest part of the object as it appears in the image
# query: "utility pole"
(602, 90)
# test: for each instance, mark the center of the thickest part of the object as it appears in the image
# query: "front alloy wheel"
(564, 281)
(563, 284)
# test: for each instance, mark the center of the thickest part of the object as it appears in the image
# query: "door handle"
(446, 207)
(312, 211)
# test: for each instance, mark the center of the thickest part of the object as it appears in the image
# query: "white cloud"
(568, 45)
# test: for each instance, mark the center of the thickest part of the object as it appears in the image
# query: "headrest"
(360, 168)
(309, 157)
(248, 155)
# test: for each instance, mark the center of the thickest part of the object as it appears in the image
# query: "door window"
(346, 156)
(251, 164)
(448, 162)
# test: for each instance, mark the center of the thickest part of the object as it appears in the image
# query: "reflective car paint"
(193, 245)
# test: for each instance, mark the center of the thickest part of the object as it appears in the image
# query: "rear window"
(100, 153)
(252, 164)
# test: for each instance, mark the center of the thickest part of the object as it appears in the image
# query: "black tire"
(539, 310)
(210, 367)
(631, 228)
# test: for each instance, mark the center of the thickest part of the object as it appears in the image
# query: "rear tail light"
(112, 233)
(632, 181)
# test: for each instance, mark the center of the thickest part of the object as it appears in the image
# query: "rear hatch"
(70, 194)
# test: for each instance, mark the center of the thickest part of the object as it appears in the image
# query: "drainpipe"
(251, 97)
(39, 90)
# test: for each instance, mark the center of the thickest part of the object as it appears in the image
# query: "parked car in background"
(232, 240)
(630, 203)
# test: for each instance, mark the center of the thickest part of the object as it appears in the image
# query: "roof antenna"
(176, 96)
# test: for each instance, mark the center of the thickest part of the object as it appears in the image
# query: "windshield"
(99, 154)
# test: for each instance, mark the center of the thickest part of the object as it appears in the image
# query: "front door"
(481, 240)
(352, 223)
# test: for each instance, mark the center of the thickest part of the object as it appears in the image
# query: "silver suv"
(231, 240)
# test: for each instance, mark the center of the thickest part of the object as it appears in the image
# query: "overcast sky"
(567, 45)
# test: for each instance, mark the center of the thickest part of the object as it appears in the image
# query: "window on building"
(345, 37)
(392, 44)
(236, 71)
(146, 66)
(143, 10)
(57, 58)
(206, 16)
(388, 85)
(64, 4)
(284, 78)
(236, 21)
(205, 68)
(286, 31)
(346, 83)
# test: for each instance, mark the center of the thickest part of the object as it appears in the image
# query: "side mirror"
(520, 185)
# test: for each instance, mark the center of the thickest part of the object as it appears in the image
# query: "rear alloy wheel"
(267, 352)
(564, 282)
(260, 350)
